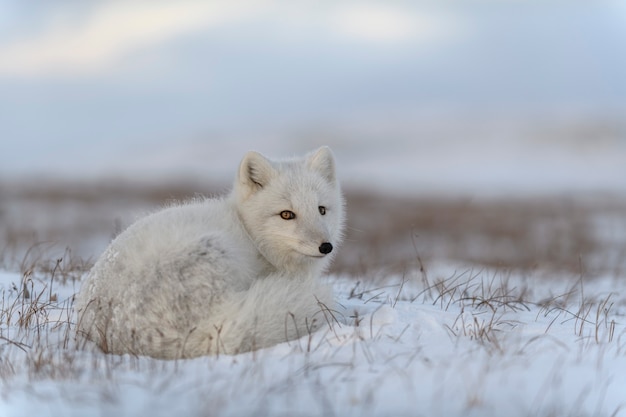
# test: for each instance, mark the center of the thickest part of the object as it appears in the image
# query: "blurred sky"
(149, 88)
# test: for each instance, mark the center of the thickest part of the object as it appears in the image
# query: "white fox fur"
(221, 275)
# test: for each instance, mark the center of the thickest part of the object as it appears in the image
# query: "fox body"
(224, 275)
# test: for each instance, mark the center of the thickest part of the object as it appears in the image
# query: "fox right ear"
(255, 172)
(322, 161)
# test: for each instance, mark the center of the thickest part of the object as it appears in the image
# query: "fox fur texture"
(225, 275)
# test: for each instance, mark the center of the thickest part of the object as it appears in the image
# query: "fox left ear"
(255, 172)
(323, 161)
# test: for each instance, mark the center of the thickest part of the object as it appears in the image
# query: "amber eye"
(287, 215)
(322, 210)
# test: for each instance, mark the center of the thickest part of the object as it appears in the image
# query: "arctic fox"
(224, 275)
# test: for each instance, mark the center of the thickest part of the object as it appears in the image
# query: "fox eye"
(287, 215)
(322, 210)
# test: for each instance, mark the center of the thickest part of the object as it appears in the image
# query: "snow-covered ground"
(448, 341)
(516, 130)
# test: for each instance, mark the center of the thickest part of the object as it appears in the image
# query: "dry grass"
(525, 233)
(53, 233)
(484, 306)
(384, 234)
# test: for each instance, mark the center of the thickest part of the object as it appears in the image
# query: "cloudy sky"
(81, 80)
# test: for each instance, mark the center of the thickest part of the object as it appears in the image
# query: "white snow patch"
(468, 344)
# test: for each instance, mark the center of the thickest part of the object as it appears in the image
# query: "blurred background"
(443, 96)
(452, 99)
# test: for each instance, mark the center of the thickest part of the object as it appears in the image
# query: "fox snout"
(326, 248)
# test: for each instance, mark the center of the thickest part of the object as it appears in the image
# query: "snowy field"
(483, 155)
(444, 308)
(444, 341)
(448, 305)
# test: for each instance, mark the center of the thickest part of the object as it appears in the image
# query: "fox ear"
(323, 161)
(255, 172)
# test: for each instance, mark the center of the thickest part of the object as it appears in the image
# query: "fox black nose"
(326, 247)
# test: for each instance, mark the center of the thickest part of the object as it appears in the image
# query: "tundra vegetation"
(445, 307)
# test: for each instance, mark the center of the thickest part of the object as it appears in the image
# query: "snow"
(452, 342)
(431, 114)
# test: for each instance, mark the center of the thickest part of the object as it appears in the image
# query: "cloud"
(386, 24)
(109, 33)
(113, 31)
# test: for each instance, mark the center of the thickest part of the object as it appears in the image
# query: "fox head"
(292, 209)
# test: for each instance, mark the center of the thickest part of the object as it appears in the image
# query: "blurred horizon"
(450, 95)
